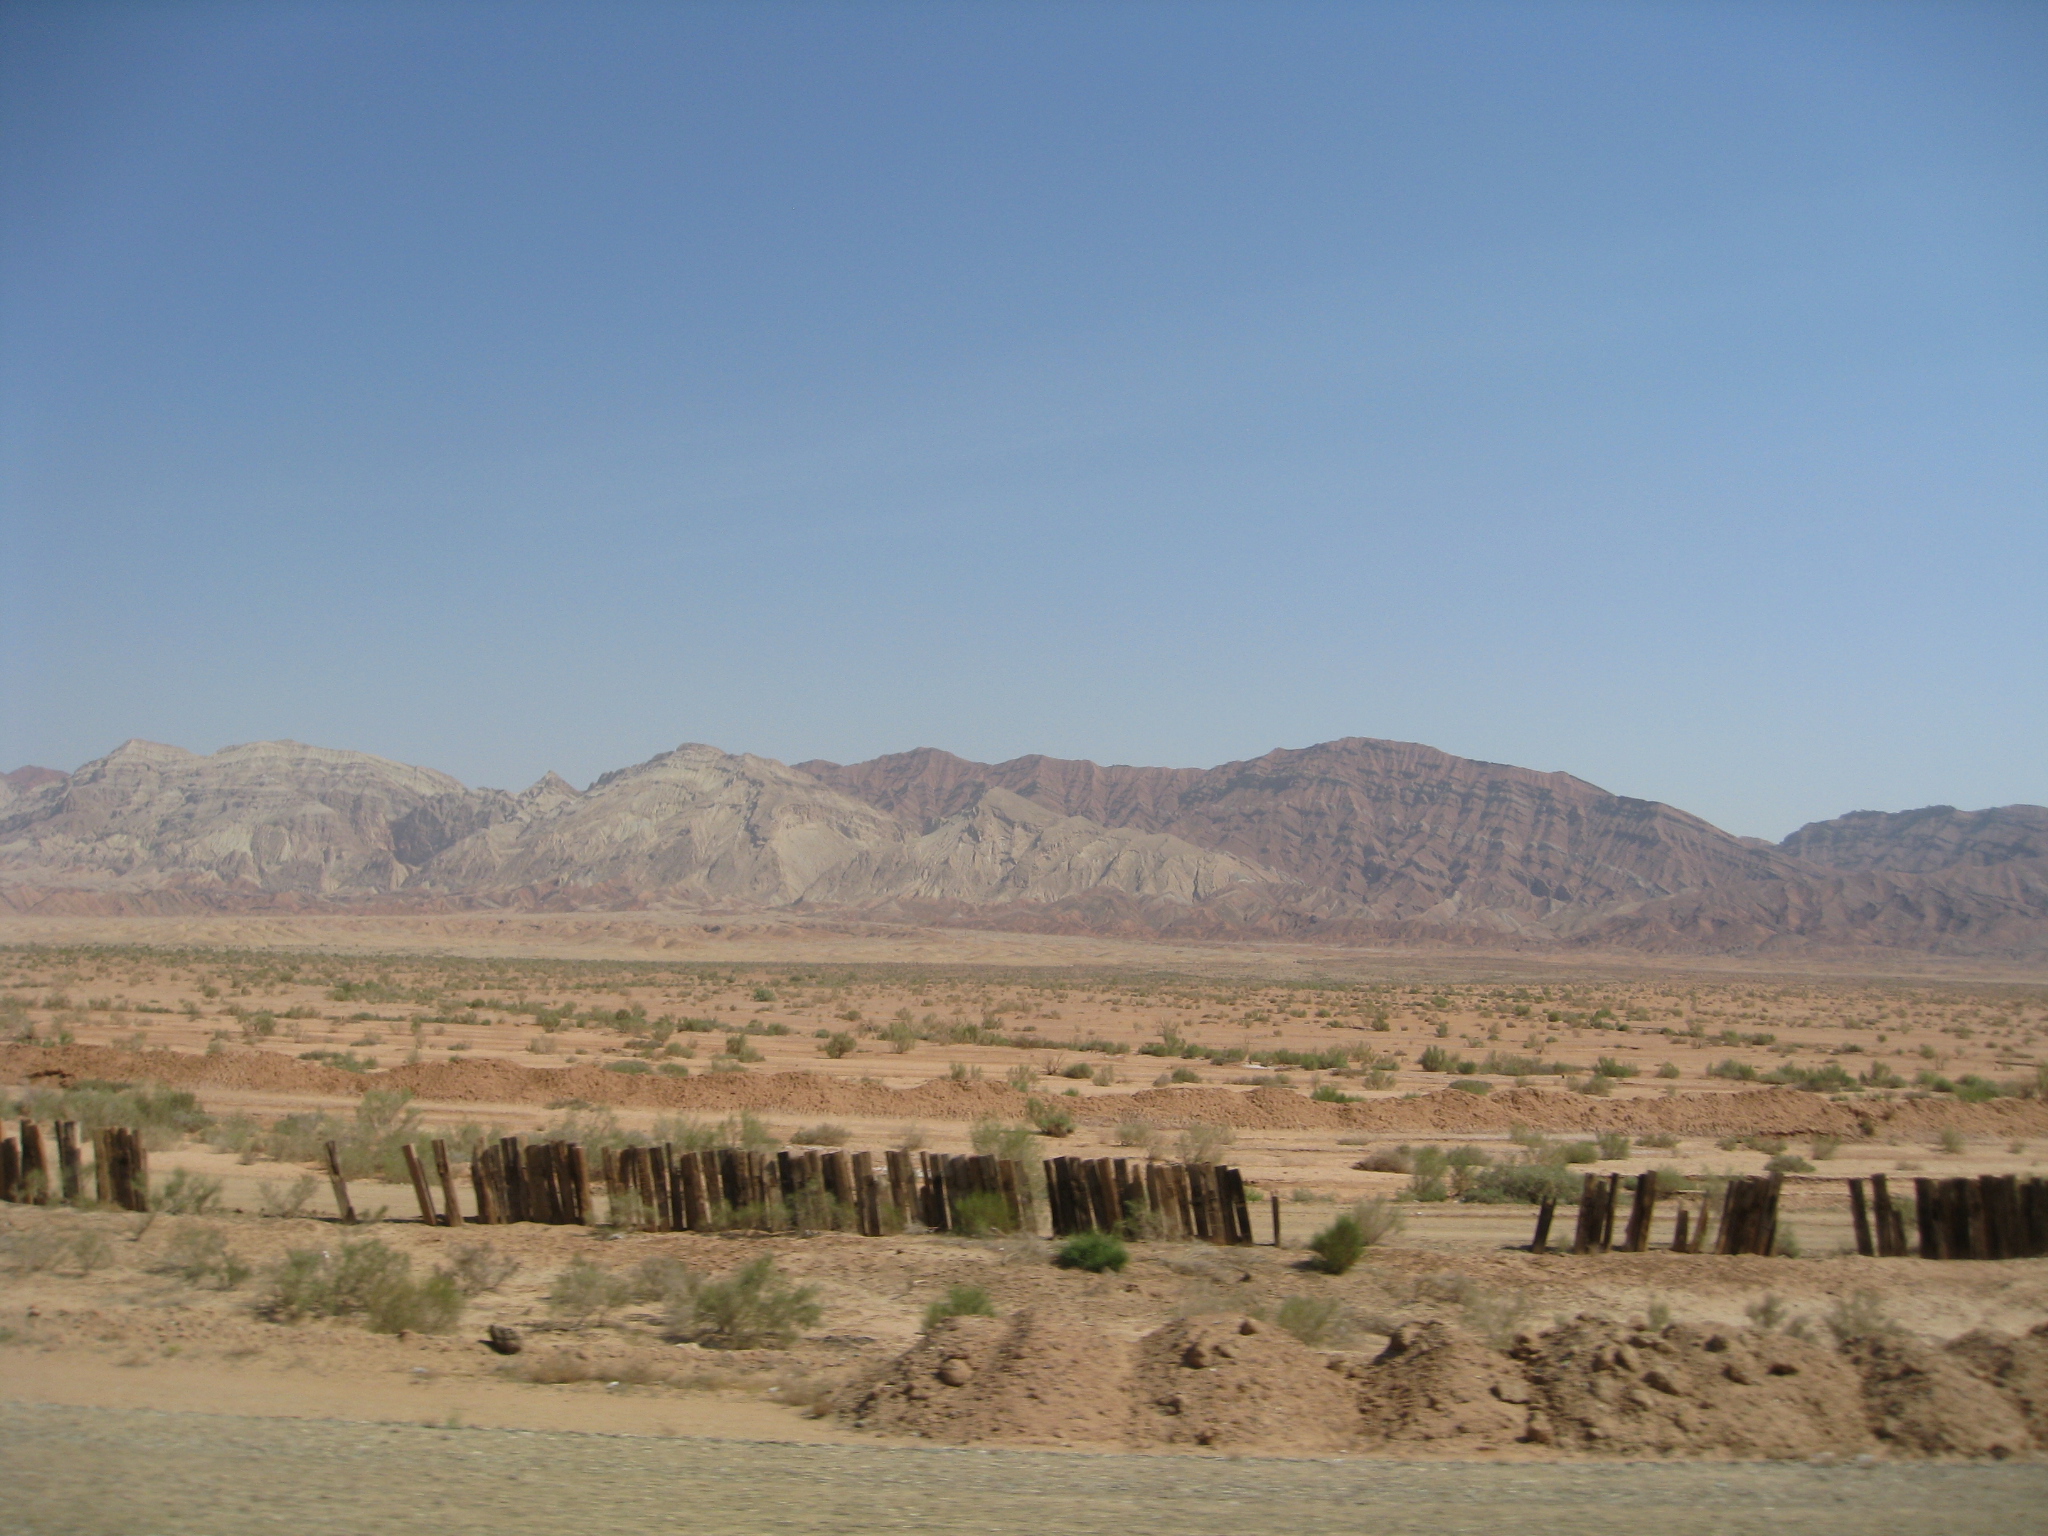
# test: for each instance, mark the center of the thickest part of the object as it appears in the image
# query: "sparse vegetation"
(365, 1279)
(959, 1301)
(756, 1307)
(1095, 1252)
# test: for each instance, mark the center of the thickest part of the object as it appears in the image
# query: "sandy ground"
(387, 1433)
(99, 1472)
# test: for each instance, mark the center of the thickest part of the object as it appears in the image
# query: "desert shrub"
(162, 1116)
(982, 1213)
(1788, 1162)
(1204, 1143)
(1612, 1066)
(289, 1201)
(1183, 1075)
(1952, 1140)
(959, 1301)
(1092, 1251)
(1338, 1246)
(837, 1045)
(1614, 1146)
(993, 1138)
(1662, 1140)
(480, 1267)
(1429, 1173)
(1473, 1086)
(186, 1193)
(1496, 1315)
(1330, 1093)
(365, 1279)
(1136, 1131)
(1668, 1069)
(1825, 1147)
(756, 1307)
(1859, 1316)
(57, 1246)
(630, 1067)
(201, 1256)
(825, 1135)
(583, 1291)
(1768, 1313)
(1315, 1320)
(745, 1132)
(1522, 1184)
(1023, 1077)
(1729, 1067)
(1049, 1118)
(1596, 1085)
(1387, 1160)
(662, 1278)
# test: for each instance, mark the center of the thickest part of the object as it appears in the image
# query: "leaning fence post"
(67, 1159)
(340, 1186)
(1860, 1214)
(420, 1191)
(452, 1216)
(1545, 1214)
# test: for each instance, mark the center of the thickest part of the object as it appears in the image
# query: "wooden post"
(10, 1170)
(452, 1214)
(340, 1186)
(67, 1159)
(420, 1191)
(1586, 1234)
(696, 1210)
(1546, 1213)
(138, 1169)
(1641, 1211)
(35, 1168)
(102, 1173)
(1860, 1215)
(1678, 1233)
(1276, 1219)
(480, 1178)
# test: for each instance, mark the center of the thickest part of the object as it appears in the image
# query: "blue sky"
(1653, 392)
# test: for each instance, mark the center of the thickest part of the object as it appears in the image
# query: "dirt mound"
(2018, 1368)
(1025, 1380)
(1689, 1391)
(1434, 1384)
(1234, 1381)
(1920, 1399)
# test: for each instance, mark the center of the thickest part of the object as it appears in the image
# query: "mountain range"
(1355, 840)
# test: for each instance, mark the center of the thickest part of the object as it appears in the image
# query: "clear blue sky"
(1657, 392)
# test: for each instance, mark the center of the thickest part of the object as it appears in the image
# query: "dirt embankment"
(1589, 1386)
(1773, 1111)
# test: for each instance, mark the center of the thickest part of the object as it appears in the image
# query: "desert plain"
(1399, 1079)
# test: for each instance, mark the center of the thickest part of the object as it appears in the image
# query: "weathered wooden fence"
(1994, 1216)
(1171, 1200)
(1748, 1224)
(120, 1170)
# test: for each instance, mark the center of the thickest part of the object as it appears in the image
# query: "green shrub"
(1092, 1251)
(959, 1301)
(1184, 1075)
(838, 1045)
(757, 1307)
(1729, 1067)
(1338, 1246)
(583, 1291)
(1049, 1118)
(1612, 1066)
(1660, 1139)
(365, 1279)
(1522, 1184)
(1788, 1162)
(1474, 1085)
(1614, 1146)
(1668, 1069)
(982, 1213)
(1859, 1316)
(1825, 1147)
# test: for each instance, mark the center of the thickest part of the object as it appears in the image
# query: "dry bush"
(57, 1246)
(583, 1292)
(366, 1279)
(826, 1135)
(1204, 1143)
(186, 1193)
(756, 1307)
(1137, 1131)
(1320, 1322)
(959, 1301)
(290, 1201)
(480, 1267)
(201, 1256)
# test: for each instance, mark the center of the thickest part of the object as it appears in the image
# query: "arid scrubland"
(1436, 1108)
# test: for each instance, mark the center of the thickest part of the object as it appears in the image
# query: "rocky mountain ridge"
(1353, 840)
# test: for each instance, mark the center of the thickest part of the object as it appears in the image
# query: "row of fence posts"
(1993, 1216)
(1170, 1200)
(1749, 1218)
(120, 1167)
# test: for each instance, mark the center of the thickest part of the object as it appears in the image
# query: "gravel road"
(109, 1472)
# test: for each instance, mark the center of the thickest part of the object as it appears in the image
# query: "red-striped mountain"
(1354, 840)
